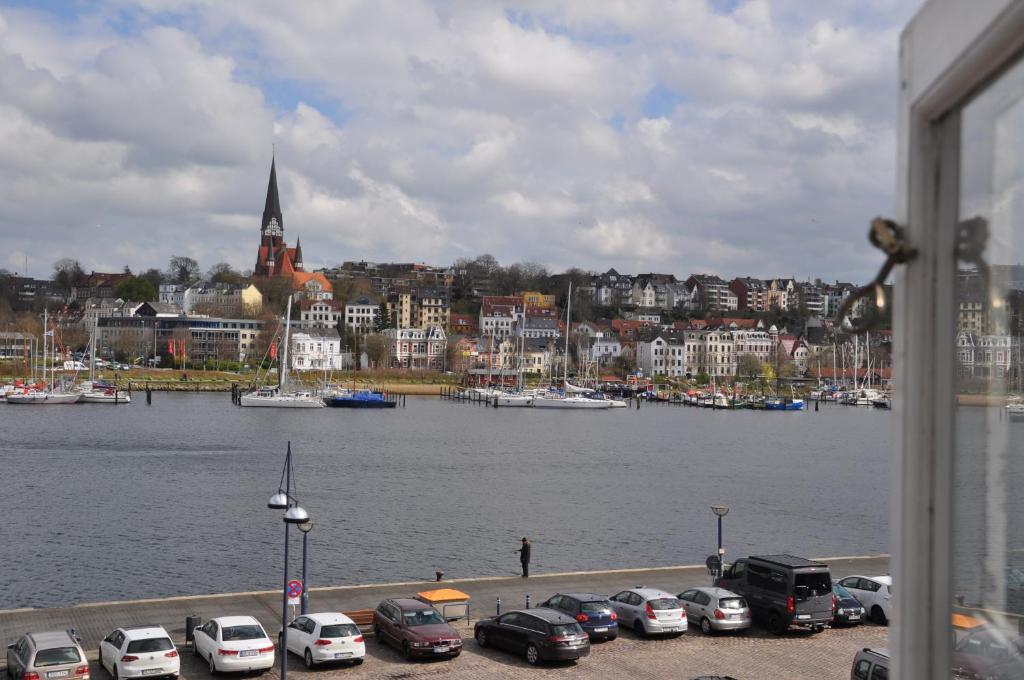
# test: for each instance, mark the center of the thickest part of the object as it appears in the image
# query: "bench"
(362, 618)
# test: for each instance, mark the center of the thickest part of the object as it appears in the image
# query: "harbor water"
(123, 502)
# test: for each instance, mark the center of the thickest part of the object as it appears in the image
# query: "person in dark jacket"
(524, 556)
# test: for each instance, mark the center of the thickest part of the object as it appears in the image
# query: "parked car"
(138, 651)
(988, 654)
(593, 612)
(540, 634)
(234, 643)
(783, 590)
(848, 611)
(649, 611)
(46, 656)
(320, 638)
(870, 664)
(874, 592)
(415, 628)
(716, 609)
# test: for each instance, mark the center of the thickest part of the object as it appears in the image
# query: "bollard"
(527, 600)
(439, 575)
(149, 396)
(498, 607)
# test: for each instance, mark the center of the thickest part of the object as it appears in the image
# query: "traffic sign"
(294, 591)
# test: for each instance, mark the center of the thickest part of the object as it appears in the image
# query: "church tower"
(272, 247)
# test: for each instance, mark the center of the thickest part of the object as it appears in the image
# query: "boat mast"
(283, 373)
(92, 348)
(568, 325)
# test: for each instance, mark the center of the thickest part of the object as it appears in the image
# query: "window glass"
(688, 595)
(56, 656)
(149, 645)
(594, 607)
(664, 603)
(988, 427)
(879, 673)
(861, 670)
(339, 630)
(732, 603)
(818, 584)
(248, 632)
(566, 629)
(421, 617)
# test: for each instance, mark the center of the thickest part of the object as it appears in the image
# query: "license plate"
(854, 617)
(249, 652)
(153, 671)
(735, 617)
(601, 630)
(441, 650)
(342, 655)
(803, 616)
(57, 674)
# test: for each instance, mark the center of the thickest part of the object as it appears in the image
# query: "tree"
(66, 273)
(154, 276)
(748, 366)
(383, 320)
(136, 289)
(376, 348)
(222, 272)
(703, 378)
(182, 269)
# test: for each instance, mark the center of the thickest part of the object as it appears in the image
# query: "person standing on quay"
(524, 556)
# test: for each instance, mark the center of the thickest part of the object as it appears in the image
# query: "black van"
(783, 590)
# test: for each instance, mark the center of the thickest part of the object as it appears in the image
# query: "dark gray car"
(783, 590)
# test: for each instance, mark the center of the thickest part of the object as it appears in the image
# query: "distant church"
(274, 257)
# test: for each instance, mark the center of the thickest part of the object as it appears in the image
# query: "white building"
(361, 314)
(319, 313)
(318, 350)
(417, 348)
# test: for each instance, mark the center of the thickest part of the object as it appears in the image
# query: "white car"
(234, 643)
(319, 638)
(874, 592)
(138, 651)
(649, 610)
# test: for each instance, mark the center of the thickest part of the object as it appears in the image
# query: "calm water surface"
(103, 503)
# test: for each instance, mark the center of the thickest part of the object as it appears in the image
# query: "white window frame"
(947, 53)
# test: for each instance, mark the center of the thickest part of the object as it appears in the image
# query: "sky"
(737, 137)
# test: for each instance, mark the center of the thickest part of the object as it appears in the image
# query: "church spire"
(298, 253)
(272, 208)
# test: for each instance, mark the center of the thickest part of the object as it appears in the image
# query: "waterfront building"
(361, 314)
(416, 348)
(14, 345)
(147, 334)
(318, 349)
(986, 356)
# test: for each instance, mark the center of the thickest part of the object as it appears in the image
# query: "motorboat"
(1015, 411)
(782, 404)
(103, 393)
(358, 399)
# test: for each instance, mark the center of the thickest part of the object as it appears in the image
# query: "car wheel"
(308, 658)
(775, 624)
(481, 637)
(532, 654)
(406, 650)
(705, 626)
(213, 666)
(114, 674)
(878, 616)
(639, 629)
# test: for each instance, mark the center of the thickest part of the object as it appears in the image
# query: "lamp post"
(285, 499)
(305, 528)
(721, 511)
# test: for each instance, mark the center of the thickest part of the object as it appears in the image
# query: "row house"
(318, 350)
(986, 356)
(782, 294)
(796, 348)
(712, 293)
(499, 314)
(686, 353)
(653, 291)
(361, 314)
(417, 348)
(222, 299)
(463, 324)
(173, 293)
(419, 307)
(610, 289)
(537, 327)
(538, 300)
(751, 294)
(320, 313)
(384, 277)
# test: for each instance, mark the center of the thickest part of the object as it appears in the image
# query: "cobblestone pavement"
(754, 655)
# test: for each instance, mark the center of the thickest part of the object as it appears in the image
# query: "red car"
(988, 654)
(415, 628)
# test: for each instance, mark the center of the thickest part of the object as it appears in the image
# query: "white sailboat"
(48, 395)
(576, 401)
(278, 397)
(99, 393)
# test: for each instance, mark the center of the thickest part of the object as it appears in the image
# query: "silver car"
(649, 611)
(47, 656)
(716, 609)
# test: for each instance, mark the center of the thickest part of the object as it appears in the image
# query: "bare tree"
(376, 348)
(66, 273)
(182, 269)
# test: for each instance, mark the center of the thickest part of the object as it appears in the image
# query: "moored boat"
(359, 399)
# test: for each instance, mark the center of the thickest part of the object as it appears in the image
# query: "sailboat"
(278, 397)
(553, 400)
(46, 395)
(98, 392)
(518, 398)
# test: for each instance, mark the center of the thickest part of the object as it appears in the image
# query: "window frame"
(948, 52)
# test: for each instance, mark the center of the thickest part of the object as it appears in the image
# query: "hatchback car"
(234, 643)
(848, 611)
(319, 638)
(874, 592)
(139, 651)
(716, 609)
(593, 612)
(47, 656)
(649, 611)
(415, 628)
(540, 634)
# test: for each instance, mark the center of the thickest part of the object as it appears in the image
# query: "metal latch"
(888, 237)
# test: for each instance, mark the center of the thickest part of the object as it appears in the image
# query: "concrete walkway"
(95, 621)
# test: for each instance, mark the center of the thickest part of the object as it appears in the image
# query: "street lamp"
(286, 499)
(305, 528)
(721, 511)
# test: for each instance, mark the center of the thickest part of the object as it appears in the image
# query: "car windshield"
(56, 656)
(566, 629)
(663, 603)
(234, 633)
(423, 617)
(732, 603)
(339, 630)
(841, 591)
(150, 645)
(817, 584)
(595, 607)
